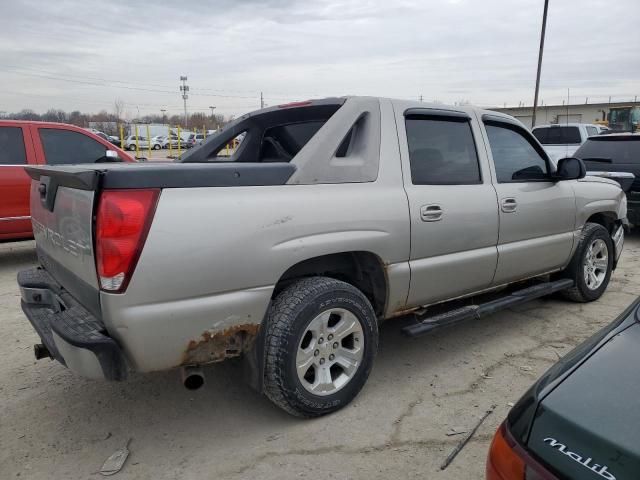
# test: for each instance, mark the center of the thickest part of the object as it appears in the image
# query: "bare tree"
(118, 109)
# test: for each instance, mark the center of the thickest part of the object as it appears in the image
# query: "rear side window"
(68, 147)
(558, 135)
(442, 152)
(592, 131)
(618, 151)
(514, 156)
(12, 146)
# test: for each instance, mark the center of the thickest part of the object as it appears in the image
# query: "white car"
(143, 143)
(562, 140)
(174, 141)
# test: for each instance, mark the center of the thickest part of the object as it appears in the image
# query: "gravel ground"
(56, 425)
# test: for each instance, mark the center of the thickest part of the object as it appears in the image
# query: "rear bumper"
(73, 336)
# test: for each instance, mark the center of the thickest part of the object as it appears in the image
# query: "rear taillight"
(122, 224)
(509, 461)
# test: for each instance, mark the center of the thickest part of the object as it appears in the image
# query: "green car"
(581, 419)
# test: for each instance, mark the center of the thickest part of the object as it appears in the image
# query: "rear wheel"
(591, 265)
(321, 339)
(156, 147)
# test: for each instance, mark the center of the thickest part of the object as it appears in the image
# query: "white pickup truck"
(562, 140)
(329, 217)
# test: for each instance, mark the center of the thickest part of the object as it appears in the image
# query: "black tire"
(156, 147)
(288, 318)
(575, 270)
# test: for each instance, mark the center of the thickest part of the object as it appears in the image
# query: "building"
(580, 113)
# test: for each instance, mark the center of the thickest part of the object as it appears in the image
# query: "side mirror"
(570, 168)
(110, 156)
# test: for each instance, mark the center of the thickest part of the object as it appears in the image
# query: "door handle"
(509, 205)
(431, 213)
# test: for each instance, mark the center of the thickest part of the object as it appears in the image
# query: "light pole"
(542, 32)
(163, 110)
(213, 119)
(184, 88)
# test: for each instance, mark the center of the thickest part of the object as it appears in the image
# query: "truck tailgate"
(62, 218)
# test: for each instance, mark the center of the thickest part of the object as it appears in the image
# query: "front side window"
(12, 146)
(442, 151)
(68, 147)
(514, 156)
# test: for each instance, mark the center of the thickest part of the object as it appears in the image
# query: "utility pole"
(184, 88)
(261, 100)
(212, 109)
(163, 110)
(542, 32)
(420, 98)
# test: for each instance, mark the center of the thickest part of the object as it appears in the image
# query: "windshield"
(621, 150)
(619, 116)
(557, 135)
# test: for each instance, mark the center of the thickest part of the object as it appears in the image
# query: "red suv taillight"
(508, 461)
(122, 224)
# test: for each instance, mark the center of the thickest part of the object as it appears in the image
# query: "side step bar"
(469, 312)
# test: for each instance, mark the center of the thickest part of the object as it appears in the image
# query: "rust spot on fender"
(215, 346)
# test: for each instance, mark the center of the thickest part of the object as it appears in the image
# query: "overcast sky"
(85, 54)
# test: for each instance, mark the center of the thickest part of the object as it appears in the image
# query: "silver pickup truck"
(291, 234)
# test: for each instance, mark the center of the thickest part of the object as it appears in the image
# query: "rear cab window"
(275, 135)
(557, 135)
(619, 150)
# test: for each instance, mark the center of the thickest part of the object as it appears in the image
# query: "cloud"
(83, 55)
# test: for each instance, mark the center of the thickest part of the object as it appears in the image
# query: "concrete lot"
(56, 425)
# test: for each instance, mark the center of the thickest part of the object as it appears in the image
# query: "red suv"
(37, 143)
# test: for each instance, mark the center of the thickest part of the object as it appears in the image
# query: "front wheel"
(591, 265)
(321, 339)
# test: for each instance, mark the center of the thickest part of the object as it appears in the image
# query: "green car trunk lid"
(589, 426)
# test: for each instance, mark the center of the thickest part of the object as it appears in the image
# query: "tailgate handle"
(48, 189)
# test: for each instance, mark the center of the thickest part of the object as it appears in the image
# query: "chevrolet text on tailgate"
(291, 234)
